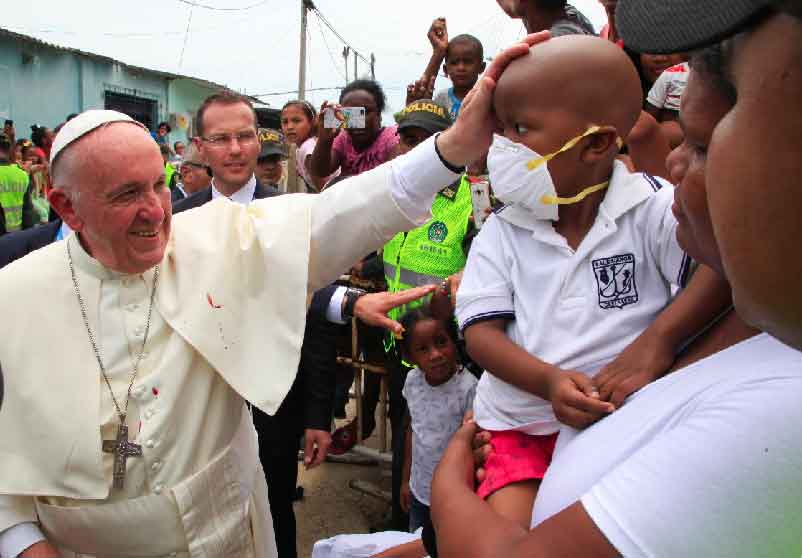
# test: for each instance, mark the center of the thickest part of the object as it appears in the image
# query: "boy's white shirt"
(522, 270)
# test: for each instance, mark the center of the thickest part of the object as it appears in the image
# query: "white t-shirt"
(706, 462)
(666, 92)
(437, 412)
(575, 309)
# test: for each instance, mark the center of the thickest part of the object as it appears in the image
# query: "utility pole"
(356, 76)
(372, 66)
(346, 53)
(306, 5)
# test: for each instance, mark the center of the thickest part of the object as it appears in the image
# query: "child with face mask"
(567, 278)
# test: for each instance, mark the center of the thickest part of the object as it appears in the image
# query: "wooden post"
(305, 6)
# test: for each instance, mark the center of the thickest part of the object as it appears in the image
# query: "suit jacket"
(310, 401)
(205, 196)
(176, 195)
(15, 245)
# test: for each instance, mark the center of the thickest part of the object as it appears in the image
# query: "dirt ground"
(330, 507)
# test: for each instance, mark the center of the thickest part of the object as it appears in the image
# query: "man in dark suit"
(229, 144)
(194, 175)
(18, 244)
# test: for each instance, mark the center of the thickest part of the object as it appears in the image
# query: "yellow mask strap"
(555, 200)
(535, 163)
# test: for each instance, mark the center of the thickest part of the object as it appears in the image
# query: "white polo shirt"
(575, 309)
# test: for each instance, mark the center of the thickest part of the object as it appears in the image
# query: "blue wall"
(41, 85)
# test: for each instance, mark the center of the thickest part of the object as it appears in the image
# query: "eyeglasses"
(222, 140)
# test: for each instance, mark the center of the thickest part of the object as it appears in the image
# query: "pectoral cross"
(122, 450)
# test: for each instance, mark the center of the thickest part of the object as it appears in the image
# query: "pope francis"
(137, 341)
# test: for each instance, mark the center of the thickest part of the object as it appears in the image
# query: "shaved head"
(588, 79)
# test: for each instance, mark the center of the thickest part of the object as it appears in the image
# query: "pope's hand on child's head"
(471, 135)
(575, 399)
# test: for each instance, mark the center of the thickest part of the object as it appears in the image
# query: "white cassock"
(227, 327)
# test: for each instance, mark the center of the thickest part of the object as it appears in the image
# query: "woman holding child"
(705, 461)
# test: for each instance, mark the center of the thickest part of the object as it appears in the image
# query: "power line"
(336, 88)
(206, 7)
(186, 37)
(316, 11)
(295, 91)
(328, 49)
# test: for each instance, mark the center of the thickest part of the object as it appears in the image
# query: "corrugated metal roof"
(167, 75)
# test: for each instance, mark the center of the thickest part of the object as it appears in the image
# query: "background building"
(41, 83)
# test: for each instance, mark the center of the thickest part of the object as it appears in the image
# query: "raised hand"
(438, 35)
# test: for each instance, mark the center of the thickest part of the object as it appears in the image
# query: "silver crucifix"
(122, 450)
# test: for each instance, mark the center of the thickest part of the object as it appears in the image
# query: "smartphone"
(480, 197)
(344, 117)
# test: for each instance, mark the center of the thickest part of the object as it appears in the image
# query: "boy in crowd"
(464, 63)
(269, 169)
(664, 98)
(567, 286)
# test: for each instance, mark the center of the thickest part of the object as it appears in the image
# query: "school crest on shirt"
(615, 279)
(438, 231)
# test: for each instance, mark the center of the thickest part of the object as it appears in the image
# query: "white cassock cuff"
(334, 313)
(416, 179)
(19, 537)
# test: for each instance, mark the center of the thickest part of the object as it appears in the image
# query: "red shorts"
(516, 457)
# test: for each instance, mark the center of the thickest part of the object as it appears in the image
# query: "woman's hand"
(457, 463)
(326, 135)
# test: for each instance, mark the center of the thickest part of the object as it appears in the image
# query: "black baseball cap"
(666, 26)
(425, 113)
(272, 143)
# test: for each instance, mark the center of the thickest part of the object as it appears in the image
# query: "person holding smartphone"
(357, 149)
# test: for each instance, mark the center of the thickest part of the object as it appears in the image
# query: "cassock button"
(149, 414)
(157, 488)
(132, 307)
(156, 465)
(139, 331)
(150, 443)
(139, 392)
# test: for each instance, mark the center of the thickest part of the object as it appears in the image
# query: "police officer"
(15, 196)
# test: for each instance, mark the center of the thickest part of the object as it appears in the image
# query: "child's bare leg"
(515, 501)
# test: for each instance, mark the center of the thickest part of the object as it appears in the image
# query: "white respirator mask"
(520, 176)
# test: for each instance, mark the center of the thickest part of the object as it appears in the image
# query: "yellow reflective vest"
(13, 185)
(430, 253)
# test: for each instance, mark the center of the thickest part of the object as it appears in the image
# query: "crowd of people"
(575, 266)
